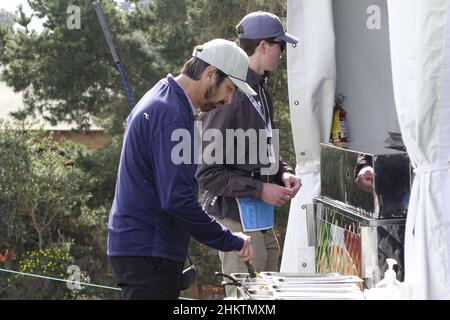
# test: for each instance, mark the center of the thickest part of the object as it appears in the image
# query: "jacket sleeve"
(284, 167)
(220, 178)
(177, 188)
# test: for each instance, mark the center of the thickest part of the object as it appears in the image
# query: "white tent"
(390, 57)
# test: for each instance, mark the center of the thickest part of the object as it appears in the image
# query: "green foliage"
(100, 167)
(39, 187)
(88, 229)
(218, 19)
(68, 74)
(52, 262)
(14, 164)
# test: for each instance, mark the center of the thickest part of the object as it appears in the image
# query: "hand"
(246, 253)
(291, 181)
(275, 195)
(364, 180)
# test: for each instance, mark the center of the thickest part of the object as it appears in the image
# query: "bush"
(54, 262)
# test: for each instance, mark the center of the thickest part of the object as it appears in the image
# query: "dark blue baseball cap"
(264, 25)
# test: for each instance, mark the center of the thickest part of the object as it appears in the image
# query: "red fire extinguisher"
(339, 128)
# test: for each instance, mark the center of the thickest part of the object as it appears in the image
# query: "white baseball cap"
(226, 56)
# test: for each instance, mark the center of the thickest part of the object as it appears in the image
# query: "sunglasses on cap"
(282, 44)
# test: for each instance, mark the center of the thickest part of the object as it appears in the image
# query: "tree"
(44, 197)
(52, 188)
(38, 185)
(68, 74)
(14, 164)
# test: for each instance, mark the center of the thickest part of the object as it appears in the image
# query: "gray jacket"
(226, 181)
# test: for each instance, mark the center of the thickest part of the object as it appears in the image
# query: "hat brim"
(243, 86)
(288, 38)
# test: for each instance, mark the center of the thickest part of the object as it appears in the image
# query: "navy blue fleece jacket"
(155, 208)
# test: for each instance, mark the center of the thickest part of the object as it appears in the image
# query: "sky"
(11, 6)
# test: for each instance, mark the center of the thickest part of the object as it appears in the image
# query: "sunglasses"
(282, 44)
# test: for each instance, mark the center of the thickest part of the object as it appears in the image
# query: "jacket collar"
(254, 79)
(187, 101)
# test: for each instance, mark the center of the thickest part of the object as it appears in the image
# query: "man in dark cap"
(242, 194)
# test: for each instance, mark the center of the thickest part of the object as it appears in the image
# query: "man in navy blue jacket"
(155, 209)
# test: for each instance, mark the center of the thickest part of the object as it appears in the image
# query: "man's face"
(273, 53)
(217, 94)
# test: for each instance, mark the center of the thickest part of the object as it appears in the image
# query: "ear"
(262, 46)
(210, 73)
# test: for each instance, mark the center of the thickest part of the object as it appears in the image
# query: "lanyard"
(268, 125)
(257, 106)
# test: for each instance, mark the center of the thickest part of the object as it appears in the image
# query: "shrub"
(54, 262)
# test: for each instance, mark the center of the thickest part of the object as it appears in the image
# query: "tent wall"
(420, 50)
(311, 79)
(364, 68)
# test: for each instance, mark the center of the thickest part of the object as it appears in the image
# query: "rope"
(72, 282)
(62, 280)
